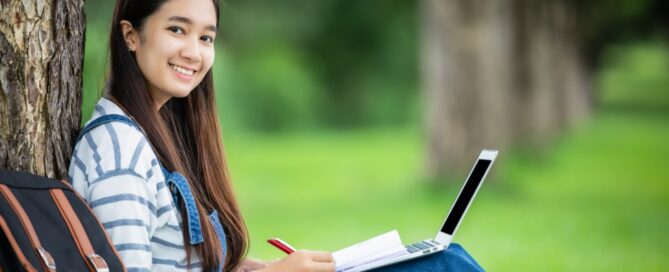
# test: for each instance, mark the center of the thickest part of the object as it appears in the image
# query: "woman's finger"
(323, 266)
(319, 256)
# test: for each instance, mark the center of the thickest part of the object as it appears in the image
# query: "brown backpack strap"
(47, 261)
(111, 244)
(95, 262)
(15, 246)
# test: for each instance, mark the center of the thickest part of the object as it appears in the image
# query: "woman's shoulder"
(114, 146)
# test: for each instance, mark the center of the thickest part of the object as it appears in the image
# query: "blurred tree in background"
(500, 72)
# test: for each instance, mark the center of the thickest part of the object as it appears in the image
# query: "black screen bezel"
(466, 196)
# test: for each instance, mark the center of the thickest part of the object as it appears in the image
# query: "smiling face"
(174, 48)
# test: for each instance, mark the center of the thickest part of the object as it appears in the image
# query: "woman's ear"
(130, 35)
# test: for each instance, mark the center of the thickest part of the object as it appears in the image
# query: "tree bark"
(41, 64)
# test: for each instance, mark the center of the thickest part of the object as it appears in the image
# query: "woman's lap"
(455, 258)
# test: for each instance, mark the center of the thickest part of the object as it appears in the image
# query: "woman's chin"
(181, 93)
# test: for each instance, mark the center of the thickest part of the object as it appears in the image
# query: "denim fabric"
(455, 258)
(180, 188)
(103, 120)
(220, 232)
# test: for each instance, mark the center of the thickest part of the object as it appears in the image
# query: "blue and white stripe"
(115, 169)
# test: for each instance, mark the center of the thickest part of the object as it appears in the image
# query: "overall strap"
(104, 120)
(180, 189)
(175, 181)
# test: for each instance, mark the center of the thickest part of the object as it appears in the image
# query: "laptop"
(457, 212)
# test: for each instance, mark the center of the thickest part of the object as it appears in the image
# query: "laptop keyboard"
(422, 245)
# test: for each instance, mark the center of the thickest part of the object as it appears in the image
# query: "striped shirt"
(116, 170)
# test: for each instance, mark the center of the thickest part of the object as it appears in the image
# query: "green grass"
(597, 200)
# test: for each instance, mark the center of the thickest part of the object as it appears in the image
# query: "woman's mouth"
(182, 70)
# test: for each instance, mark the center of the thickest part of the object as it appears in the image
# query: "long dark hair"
(185, 134)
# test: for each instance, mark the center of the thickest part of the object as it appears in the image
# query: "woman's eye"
(208, 39)
(176, 29)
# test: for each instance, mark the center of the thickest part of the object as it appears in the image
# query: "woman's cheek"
(209, 58)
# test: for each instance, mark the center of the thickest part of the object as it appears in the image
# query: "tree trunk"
(498, 72)
(551, 80)
(578, 98)
(466, 78)
(41, 59)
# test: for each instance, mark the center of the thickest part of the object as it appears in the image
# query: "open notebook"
(375, 250)
(388, 248)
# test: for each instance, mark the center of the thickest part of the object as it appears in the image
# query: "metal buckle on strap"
(47, 259)
(98, 263)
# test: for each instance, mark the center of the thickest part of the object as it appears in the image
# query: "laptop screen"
(465, 196)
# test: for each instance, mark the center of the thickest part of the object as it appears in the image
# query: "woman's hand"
(303, 261)
(250, 264)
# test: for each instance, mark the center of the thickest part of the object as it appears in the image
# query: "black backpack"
(46, 226)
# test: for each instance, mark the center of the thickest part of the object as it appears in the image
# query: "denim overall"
(179, 188)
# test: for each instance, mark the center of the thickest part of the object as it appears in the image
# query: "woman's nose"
(191, 50)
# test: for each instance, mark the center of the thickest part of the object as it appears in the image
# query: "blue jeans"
(455, 258)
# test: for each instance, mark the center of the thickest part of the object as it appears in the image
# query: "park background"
(327, 113)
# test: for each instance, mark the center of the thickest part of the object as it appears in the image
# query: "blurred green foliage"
(336, 64)
(636, 77)
(325, 63)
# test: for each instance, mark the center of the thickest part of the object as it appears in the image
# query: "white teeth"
(182, 70)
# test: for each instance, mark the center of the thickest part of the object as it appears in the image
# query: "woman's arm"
(121, 197)
(124, 205)
(250, 264)
(299, 261)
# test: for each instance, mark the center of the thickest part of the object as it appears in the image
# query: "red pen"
(283, 246)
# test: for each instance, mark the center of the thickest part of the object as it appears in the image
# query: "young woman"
(159, 183)
(150, 161)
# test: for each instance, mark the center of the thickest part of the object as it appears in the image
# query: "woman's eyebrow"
(190, 22)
